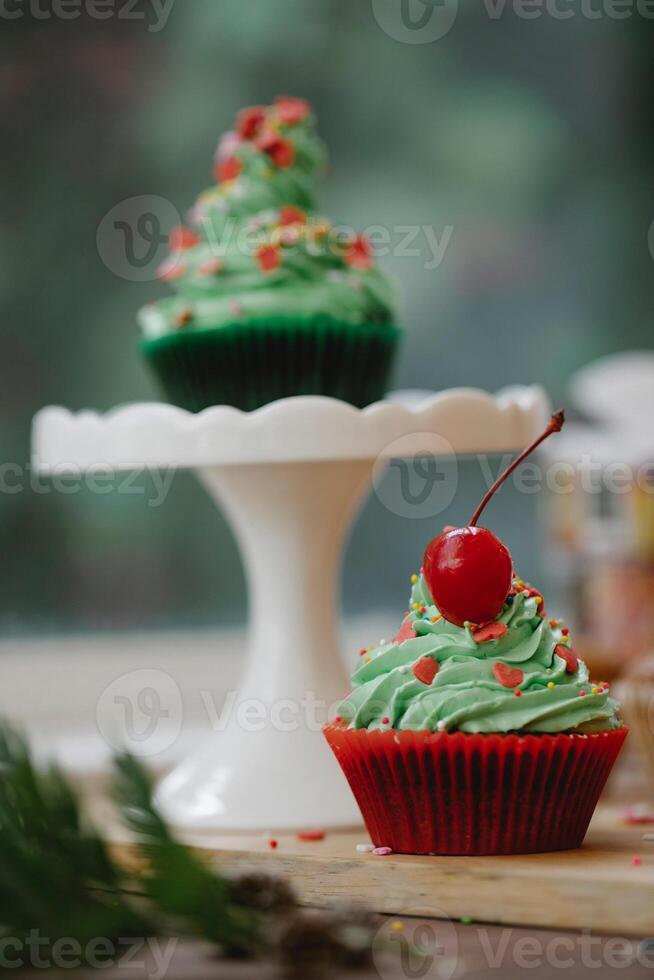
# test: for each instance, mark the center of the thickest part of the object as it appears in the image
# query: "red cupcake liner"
(454, 793)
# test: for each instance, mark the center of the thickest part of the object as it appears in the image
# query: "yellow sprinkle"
(435, 619)
(595, 690)
(414, 579)
(415, 605)
(551, 684)
(539, 599)
(397, 926)
(366, 660)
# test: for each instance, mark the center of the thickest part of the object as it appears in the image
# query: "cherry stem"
(555, 424)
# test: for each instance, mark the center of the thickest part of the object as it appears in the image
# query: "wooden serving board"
(598, 887)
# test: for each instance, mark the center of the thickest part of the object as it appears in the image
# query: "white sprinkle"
(649, 836)
(382, 643)
(365, 848)
(441, 726)
(382, 852)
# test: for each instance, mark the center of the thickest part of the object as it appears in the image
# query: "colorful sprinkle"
(385, 721)
(565, 630)
(551, 684)
(466, 920)
(211, 267)
(311, 835)
(272, 844)
(382, 851)
(169, 270)
(582, 694)
(184, 317)
(397, 926)
(636, 861)
(441, 726)
(518, 692)
(414, 579)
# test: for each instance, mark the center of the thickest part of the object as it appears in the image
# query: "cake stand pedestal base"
(270, 768)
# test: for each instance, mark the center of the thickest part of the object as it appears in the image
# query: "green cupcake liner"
(249, 364)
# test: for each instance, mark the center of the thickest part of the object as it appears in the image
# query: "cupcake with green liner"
(271, 299)
(477, 729)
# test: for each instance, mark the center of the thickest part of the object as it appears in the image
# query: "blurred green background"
(531, 138)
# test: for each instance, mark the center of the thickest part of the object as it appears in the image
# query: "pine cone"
(263, 893)
(354, 929)
(307, 946)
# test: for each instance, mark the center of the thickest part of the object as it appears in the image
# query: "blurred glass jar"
(598, 515)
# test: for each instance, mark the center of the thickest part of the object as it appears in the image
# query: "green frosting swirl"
(257, 248)
(466, 694)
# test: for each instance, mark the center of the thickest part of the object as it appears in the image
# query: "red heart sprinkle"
(425, 669)
(507, 676)
(290, 215)
(570, 657)
(291, 110)
(491, 631)
(406, 632)
(268, 257)
(180, 238)
(281, 151)
(358, 254)
(249, 121)
(311, 835)
(228, 169)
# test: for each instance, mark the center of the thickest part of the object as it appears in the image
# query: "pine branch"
(52, 863)
(176, 881)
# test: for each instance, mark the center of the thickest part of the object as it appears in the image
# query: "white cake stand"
(290, 477)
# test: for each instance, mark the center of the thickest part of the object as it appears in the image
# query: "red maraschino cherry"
(468, 569)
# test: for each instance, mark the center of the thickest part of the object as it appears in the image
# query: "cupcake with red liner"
(477, 730)
(270, 298)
